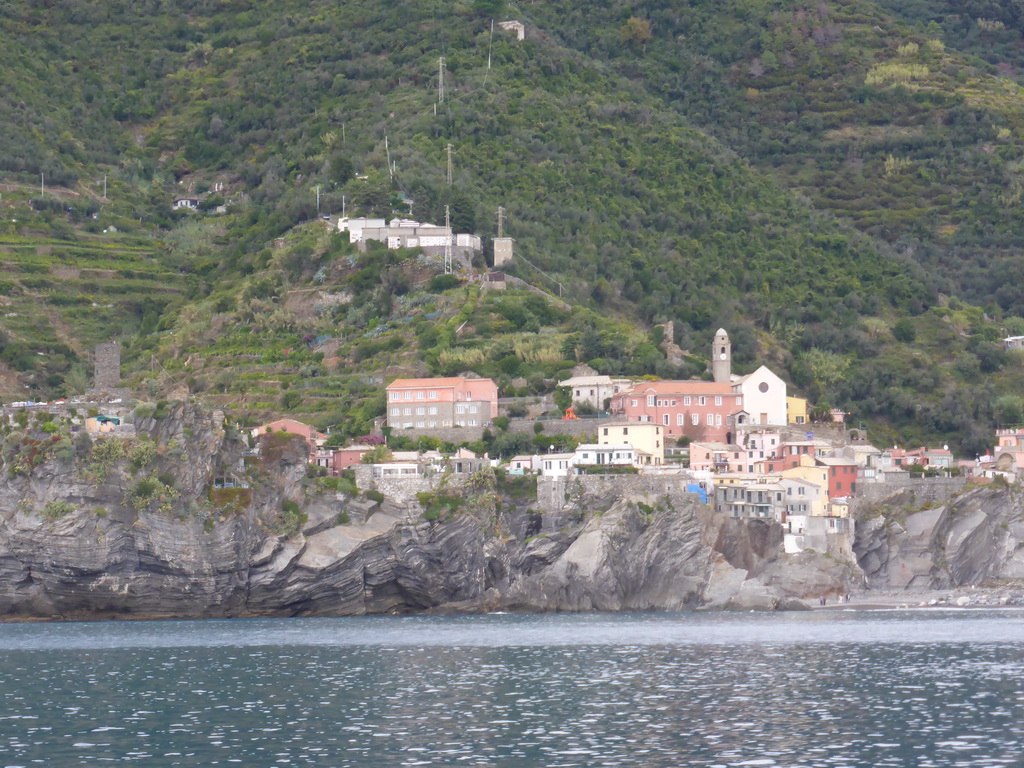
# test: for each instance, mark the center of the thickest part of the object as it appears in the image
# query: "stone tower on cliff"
(107, 365)
(721, 357)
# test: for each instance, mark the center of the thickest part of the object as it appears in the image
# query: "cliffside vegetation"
(835, 183)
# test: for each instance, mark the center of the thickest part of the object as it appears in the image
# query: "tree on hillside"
(637, 31)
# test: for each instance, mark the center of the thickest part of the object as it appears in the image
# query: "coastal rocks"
(385, 565)
(977, 537)
(244, 535)
(623, 559)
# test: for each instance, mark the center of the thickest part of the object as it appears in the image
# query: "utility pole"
(42, 188)
(449, 165)
(391, 170)
(490, 41)
(501, 221)
(447, 243)
(440, 80)
(318, 199)
(343, 206)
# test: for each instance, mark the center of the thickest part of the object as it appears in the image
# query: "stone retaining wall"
(556, 494)
(403, 490)
(926, 490)
(520, 426)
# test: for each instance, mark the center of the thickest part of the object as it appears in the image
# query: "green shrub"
(140, 453)
(55, 510)
(144, 411)
(291, 519)
(441, 283)
(435, 504)
(374, 495)
(336, 484)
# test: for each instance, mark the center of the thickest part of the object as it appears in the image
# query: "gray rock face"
(977, 537)
(198, 551)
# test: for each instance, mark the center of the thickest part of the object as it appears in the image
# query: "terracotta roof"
(631, 424)
(453, 381)
(680, 388)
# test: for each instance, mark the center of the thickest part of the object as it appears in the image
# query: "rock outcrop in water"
(181, 522)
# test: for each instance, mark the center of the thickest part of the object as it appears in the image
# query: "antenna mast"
(440, 80)
(501, 221)
(449, 150)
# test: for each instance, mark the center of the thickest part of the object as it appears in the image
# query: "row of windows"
(409, 395)
(425, 424)
(653, 401)
(421, 411)
(714, 420)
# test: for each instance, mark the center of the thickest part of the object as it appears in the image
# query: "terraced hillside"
(828, 182)
(60, 294)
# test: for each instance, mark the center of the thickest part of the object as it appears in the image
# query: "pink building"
(441, 402)
(716, 457)
(1010, 448)
(758, 454)
(314, 439)
(936, 458)
(349, 456)
(705, 411)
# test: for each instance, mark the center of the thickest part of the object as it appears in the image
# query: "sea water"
(857, 688)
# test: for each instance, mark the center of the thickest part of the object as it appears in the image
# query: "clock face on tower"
(722, 356)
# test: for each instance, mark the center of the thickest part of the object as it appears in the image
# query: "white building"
(186, 203)
(764, 396)
(522, 465)
(595, 390)
(555, 464)
(406, 233)
(355, 227)
(621, 455)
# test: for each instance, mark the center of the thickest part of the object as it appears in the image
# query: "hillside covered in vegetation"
(836, 183)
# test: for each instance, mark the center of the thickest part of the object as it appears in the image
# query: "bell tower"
(721, 357)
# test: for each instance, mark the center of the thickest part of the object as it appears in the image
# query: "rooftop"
(680, 388)
(451, 381)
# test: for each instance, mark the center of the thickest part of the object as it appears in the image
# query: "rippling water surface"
(942, 688)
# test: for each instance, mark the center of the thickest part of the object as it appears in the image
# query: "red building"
(842, 476)
(704, 411)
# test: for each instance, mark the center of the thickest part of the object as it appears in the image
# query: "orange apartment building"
(441, 402)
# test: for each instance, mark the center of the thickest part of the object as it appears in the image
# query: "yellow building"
(648, 440)
(807, 470)
(796, 410)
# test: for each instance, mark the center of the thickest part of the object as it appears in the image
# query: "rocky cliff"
(182, 520)
(976, 538)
